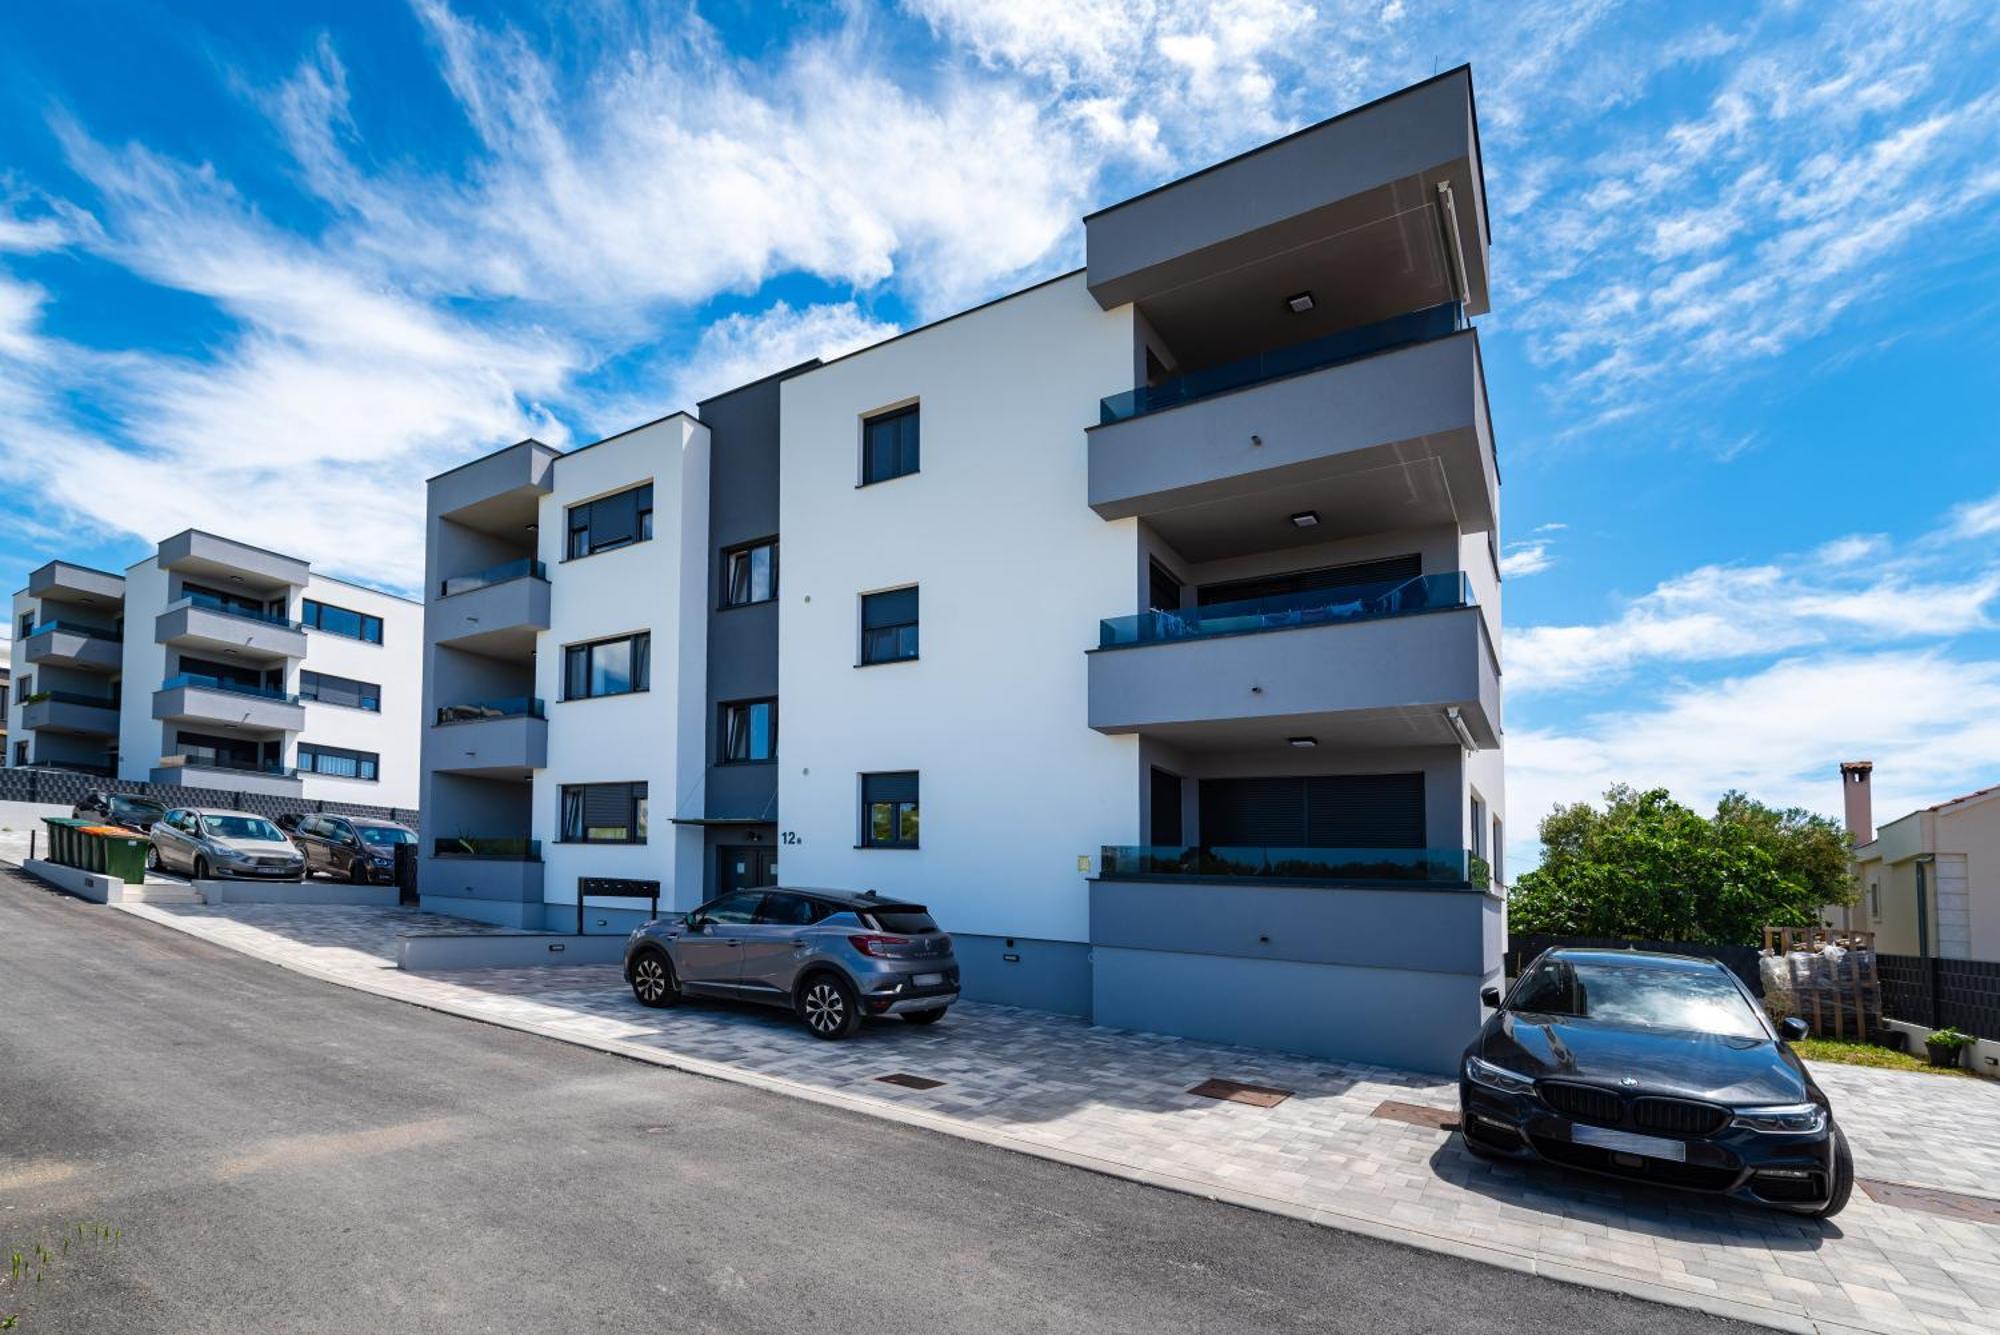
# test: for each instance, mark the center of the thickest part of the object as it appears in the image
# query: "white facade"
(390, 733)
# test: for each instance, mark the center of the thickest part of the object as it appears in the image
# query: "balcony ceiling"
(1402, 495)
(1417, 725)
(505, 516)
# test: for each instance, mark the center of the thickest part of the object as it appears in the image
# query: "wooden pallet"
(1848, 1004)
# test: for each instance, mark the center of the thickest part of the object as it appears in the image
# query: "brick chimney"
(1860, 800)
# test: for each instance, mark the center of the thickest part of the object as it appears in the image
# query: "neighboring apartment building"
(1143, 623)
(217, 665)
(1927, 883)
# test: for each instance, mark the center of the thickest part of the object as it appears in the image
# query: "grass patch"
(1850, 1053)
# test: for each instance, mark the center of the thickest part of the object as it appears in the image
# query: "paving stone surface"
(1122, 1097)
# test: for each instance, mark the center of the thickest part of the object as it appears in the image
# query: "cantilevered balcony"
(495, 611)
(208, 557)
(72, 712)
(502, 738)
(1399, 663)
(68, 582)
(73, 644)
(192, 697)
(199, 767)
(208, 625)
(1440, 868)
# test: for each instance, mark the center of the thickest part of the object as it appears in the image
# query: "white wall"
(1014, 572)
(396, 665)
(141, 737)
(657, 586)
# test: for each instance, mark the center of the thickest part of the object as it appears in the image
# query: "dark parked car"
(831, 957)
(133, 813)
(207, 844)
(1654, 1068)
(351, 849)
(288, 821)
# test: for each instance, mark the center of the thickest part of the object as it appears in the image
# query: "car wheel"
(829, 1007)
(152, 858)
(201, 869)
(924, 1017)
(357, 872)
(1843, 1178)
(653, 980)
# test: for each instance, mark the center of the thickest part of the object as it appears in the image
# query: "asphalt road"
(278, 1154)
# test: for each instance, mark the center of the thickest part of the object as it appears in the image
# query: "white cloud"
(1976, 519)
(1525, 558)
(1852, 548)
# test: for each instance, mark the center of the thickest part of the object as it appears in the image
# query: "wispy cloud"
(1526, 558)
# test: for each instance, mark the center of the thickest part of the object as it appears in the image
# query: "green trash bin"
(93, 849)
(124, 856)
(64, 840)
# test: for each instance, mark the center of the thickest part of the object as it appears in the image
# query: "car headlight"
(1799, 1119)
(1497, 1077)
(232, 855)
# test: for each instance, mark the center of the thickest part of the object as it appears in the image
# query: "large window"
(889, 445)
(750, 574)
(338, 762)
(341, 621)
(749, 731)
(327, 689)
(604, 813)
(889, 810)
(610, 521)
(889, 626)
(608, 667)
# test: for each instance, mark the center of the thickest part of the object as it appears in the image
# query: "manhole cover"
(1416, 1114)
(1932, 1200)
(908, 1081)
(1235, 1091)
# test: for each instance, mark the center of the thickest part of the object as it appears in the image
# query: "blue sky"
(262, 269)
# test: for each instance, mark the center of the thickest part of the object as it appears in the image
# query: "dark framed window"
(341, 621)
(603, 813)
(889, 810)
(608, 667)
(618, 520)
(338, 762)
(328, 689)
(889, 626)
(889, 445)
(750, 574)
(1163, 591)
(749, 731)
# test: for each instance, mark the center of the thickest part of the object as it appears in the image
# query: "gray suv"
(831, 957)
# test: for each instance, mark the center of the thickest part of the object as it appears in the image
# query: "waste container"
(64, 844)
(117, 852)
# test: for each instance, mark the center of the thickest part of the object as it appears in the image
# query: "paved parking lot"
(1119, 1101)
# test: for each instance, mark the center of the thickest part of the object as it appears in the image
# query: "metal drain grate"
(1933, 1200)
(1235, 1091)
(1416, 1114)
(908, 1081)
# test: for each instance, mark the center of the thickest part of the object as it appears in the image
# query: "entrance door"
(745, 868)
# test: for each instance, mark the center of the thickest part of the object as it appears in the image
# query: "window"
(20, 753)
(27, 624)
(1163, 591)
(1499, 853)
(1875, 900)
(604, 813)
(610, 521)
(783, 910)
(889, 810)
(733, 910)
(338, 762)
(341, 621)
(889, 445)
(750, 574)
(1478, 824)
(328, 689)
(749, 731)
(608, 667)
(889, 626)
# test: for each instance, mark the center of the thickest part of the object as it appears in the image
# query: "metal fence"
(67, 787)
(1962, 994)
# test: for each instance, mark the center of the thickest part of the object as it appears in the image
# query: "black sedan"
(1654, 1068)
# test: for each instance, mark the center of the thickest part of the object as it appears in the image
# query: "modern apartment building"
(220, 666)
(1144, 623)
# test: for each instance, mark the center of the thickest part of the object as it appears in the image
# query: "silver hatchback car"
(207, 843)
(831, 957)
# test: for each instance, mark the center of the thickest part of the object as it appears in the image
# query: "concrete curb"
(1787, 1318)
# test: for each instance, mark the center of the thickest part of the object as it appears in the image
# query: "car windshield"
(384, 834)
(242, 827)
(1638, 995)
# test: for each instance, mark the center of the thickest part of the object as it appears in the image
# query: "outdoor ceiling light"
(1299, 303)
(1305, 519)
(1306, 742)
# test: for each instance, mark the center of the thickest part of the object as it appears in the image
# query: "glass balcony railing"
(1318, 607)
(208, 602)
(202, 681)
(1345, 345)
(199, 757)
(1444, 867)
(76, 628)
(517, 706)
(506, 848)
(508, 570)
(71, 698)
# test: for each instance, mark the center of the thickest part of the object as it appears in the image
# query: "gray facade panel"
(227, 780)
(62, 648)
(487, 745)
(198, 550)
(65, 581)
(198, 705)
(66, 716)
(525, 465)
(480, 878)
(468, 620)
(208, 631)
(1019, 971)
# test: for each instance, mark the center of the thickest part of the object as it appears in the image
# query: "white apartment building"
(222, 668)
(1144, 624)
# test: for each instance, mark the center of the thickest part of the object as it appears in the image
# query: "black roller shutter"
(1166, 797)
(1306, 581)
(1319, 811)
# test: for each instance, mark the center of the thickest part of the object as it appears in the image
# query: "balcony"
(192, 697)
(73, 583)
(72, 644)
(209, 625)
(495, 612)
(505, 738)
(208, 557)
(200, 767)
(1434, 868)
(70, 712)
(500, 848)
(1405, 664)
(1370, 442)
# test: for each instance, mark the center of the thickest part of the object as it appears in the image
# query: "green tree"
(1646, 867)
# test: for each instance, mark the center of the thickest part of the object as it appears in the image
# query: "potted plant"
(1944, 1045)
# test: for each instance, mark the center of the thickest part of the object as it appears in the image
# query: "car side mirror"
(693, 925)
(1792, 1029)
(1490, 997)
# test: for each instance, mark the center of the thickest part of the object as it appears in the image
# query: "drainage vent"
(1235, 1091)
(1931, 1200)
(908, 1081)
